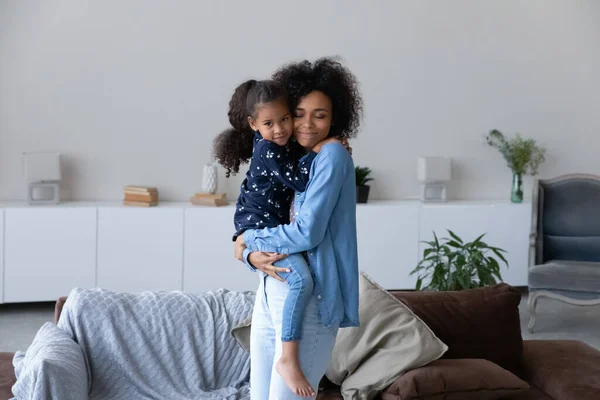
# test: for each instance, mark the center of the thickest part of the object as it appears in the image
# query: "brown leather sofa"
(475, 324)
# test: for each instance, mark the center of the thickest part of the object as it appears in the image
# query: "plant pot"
(362, 193)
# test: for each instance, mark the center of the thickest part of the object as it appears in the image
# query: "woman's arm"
(307, 231)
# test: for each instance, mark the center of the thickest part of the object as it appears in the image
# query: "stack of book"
(207, 199)
(141, 196)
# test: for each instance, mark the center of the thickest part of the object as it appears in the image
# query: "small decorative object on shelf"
(210, 178)
(523, 157)
(208, 199)
(452, 264)
(140, 196)
(42, 175)
(362, 189)
(433, 173)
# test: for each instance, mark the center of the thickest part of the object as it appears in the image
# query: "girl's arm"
(322, 194)
(281, 163)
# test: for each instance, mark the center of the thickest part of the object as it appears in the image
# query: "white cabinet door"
(387, 245)
(48, 252)
(506, 226)
(140, 249)
(1, 256)
(209, 263)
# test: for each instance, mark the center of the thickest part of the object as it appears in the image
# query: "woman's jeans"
(314, 351)
(300, 287)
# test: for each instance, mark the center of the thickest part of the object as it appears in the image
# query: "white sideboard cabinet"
(45, 251)
(140, 248)
(48, 251)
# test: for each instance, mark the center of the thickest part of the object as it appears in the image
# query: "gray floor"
(19, 323)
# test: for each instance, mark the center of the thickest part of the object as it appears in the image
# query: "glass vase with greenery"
(522, 155)
(452, 264)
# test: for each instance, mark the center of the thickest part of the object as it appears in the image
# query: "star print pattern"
(275, 173)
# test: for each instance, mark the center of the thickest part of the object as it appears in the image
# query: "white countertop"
(187, 204)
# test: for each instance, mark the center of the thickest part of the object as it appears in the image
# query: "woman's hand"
(260, 260)
(264, 262)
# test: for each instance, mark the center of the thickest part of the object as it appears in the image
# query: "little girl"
(262, 127)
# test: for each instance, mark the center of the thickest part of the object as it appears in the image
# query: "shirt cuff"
(246, 255)
(249, 236)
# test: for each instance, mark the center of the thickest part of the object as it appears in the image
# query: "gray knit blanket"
(152, 345)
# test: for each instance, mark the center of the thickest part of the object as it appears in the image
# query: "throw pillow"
(241, 333)
(54, 366)
(459, 379)
(390, 340)
(476, 323)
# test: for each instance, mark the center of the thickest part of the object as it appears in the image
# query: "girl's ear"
(252, 123)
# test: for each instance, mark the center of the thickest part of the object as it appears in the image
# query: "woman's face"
(312, 119)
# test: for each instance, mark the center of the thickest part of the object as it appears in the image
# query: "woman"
(326, 103)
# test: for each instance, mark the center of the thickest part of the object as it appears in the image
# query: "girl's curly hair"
(233, 146)
(333, 79)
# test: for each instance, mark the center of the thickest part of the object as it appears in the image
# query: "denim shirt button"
(319, 297)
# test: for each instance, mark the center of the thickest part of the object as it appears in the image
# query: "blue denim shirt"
(325, 227)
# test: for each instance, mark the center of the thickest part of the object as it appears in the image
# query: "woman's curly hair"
(233, 146)
(333, 79)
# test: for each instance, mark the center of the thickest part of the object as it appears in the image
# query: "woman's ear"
(252, 124)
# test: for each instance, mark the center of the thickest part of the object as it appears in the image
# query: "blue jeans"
(315, 347)
(300, 286)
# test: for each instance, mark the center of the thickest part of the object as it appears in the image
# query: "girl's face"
(312, 119)
(273, 121)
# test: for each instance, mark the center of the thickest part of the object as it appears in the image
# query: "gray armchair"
(564, 258)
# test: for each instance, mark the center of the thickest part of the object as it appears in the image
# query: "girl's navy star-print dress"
(275, 173)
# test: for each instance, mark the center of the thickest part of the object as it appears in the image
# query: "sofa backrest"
(568, 218)
(476, 323)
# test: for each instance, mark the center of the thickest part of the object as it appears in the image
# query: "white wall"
(134, 91)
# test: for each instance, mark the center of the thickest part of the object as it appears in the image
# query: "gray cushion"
(572, 248)
(566, 275)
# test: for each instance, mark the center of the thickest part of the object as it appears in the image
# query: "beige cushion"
(241, 333)
(389, 341)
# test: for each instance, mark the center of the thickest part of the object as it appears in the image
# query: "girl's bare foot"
(292, 375)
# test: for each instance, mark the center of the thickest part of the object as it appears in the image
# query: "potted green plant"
(362, 189)
(523, 156)
(452, 264)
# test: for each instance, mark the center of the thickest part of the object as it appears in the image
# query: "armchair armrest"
(564, 369)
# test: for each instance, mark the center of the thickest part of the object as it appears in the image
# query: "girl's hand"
(346, 144)
(342, 141)
(323, 142)
(239, 247)
(264, 262)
